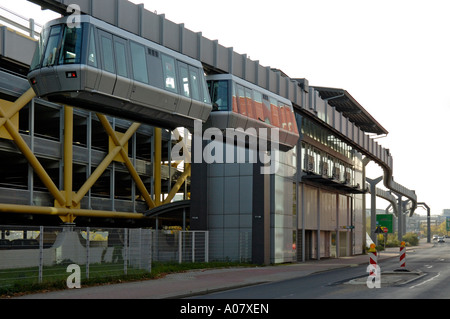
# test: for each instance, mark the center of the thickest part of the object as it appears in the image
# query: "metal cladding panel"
(262, 79)
(329, 115)
(190, 43)
(208, 55)
(361, 139)
(150, 26)
(344, 126)
(251, 68)
(103, 9)
(16, 47)
(272, 81)
(171, 34)
(126, 11)
(351, 127)
(337, 120)
(283, 89)
(237, 63)
(320, 108)
(356, 134)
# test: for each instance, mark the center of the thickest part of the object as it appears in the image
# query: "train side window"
(257, 96)
(275, 112)
(170, 83)
(242, 105)
(92, 51)
(266, 109)
(195, 83)
(184, 78)
(139, 62)
(282, 112)
(107, 52)
(250, 105)
(206, 97)
(155, 72)
(121, 57)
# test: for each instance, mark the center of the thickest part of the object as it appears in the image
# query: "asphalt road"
(351, 283)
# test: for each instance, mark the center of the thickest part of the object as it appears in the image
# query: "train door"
(184, 104)
(140, 88)
(108, 74)
(92, 70)
(122, 87)
(197, 93)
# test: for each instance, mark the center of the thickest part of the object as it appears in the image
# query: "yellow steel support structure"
(157, 141)
(67, 202)
(104, 164)
(137, 179)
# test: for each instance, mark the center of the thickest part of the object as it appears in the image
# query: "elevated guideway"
(218, 59)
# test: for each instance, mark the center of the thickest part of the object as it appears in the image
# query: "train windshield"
(219, 95)
(59, 44)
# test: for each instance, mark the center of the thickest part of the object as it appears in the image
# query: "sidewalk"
(211, 280)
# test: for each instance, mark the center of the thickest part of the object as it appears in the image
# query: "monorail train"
(241, 104)
(103, 68)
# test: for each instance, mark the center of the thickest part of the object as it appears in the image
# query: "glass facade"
(310, 218)
(325, 154)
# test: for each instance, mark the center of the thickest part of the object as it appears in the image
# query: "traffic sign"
(386, 220)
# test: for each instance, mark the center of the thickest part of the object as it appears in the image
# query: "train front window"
(36, 63)
(219, 95)
(52, 46)
(71, 46)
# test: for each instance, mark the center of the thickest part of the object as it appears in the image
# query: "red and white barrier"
(402, 255)
(373, 259)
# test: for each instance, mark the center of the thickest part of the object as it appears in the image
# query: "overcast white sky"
(391, 56)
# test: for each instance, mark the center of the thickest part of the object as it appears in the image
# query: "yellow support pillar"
(68, 154)
(68, 163)
(157, 141)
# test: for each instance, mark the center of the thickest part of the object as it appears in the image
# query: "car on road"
(435, 237)
(441, 240)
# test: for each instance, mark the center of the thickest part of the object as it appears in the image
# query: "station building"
(311, 206)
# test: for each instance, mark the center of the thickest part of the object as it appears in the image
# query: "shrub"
(411, 239)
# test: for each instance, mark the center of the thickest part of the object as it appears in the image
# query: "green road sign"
(448, 223)
(386, 220)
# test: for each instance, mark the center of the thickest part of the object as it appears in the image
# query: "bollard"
(372, 259)
(402, 255)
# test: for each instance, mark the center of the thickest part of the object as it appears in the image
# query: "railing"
(19, 23)
(41, 254)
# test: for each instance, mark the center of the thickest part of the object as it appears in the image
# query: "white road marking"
(425, 281)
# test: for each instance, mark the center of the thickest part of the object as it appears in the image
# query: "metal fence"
(40, 254)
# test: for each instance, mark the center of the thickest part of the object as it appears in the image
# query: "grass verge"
(14, 282)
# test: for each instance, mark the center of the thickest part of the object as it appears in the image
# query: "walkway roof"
(350, 108)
